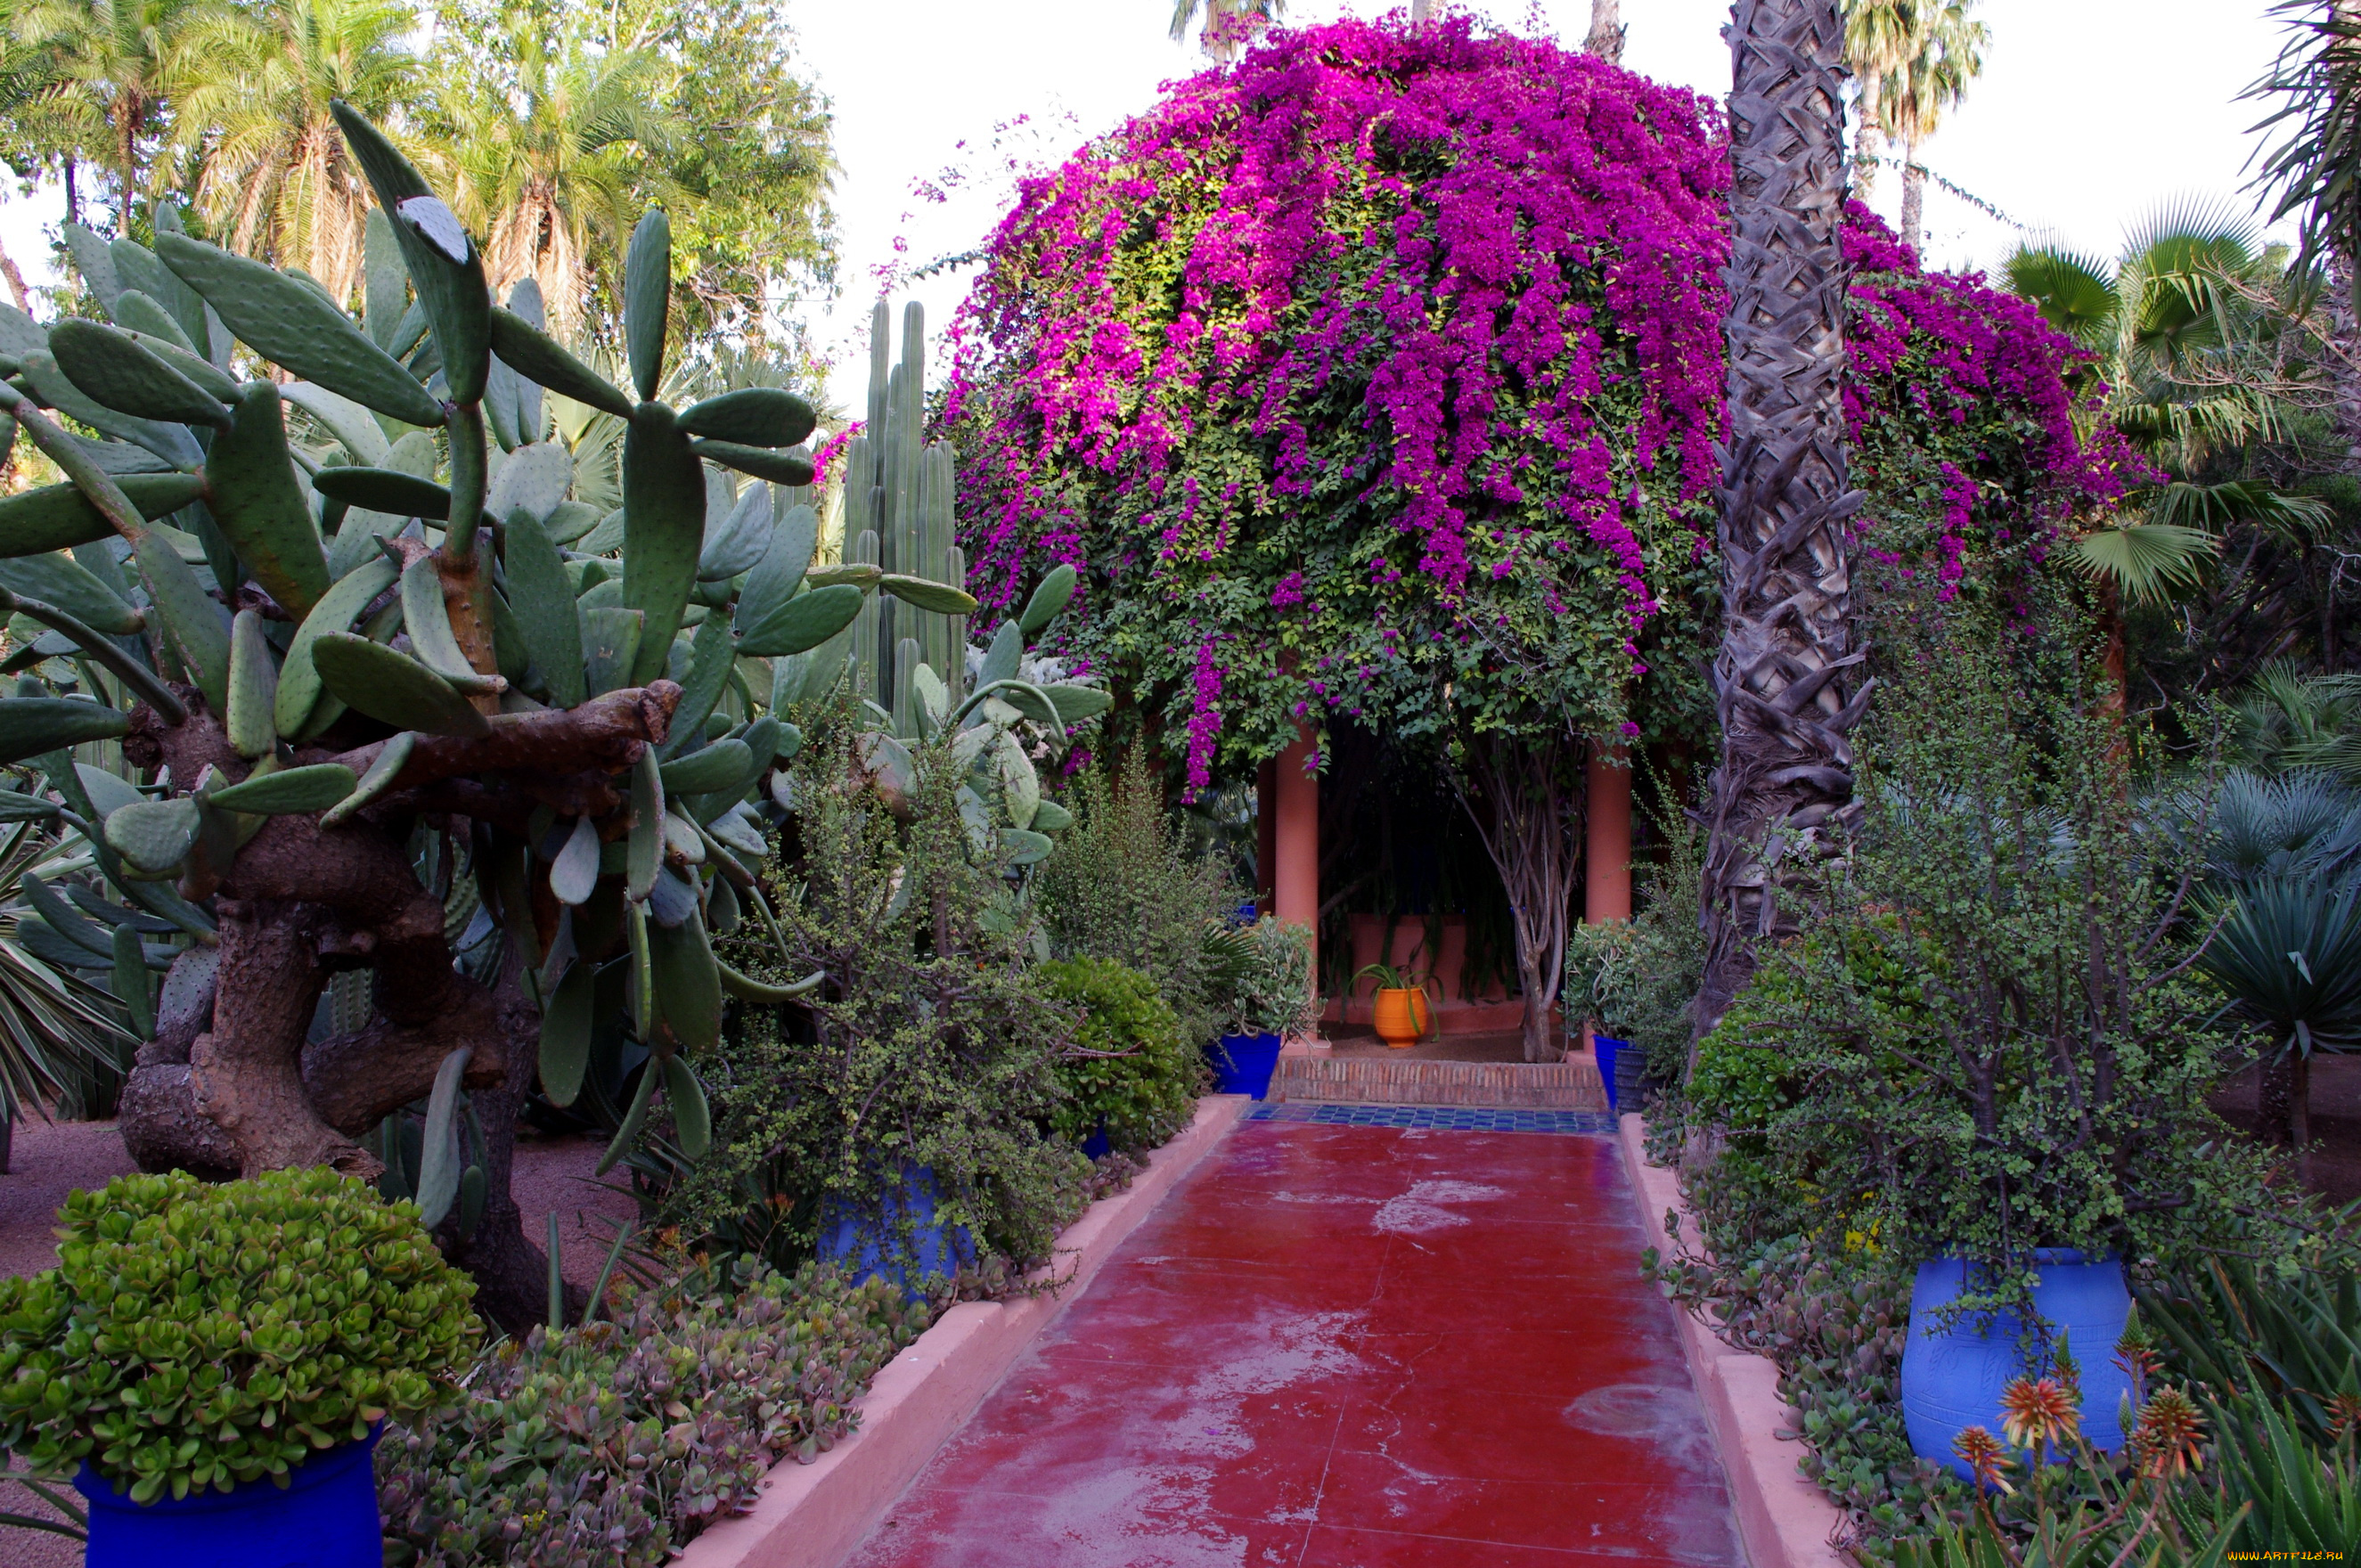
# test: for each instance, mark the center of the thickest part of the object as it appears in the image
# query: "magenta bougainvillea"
(1378, 376)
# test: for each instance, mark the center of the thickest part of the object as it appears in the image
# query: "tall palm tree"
(274, 172)
(1877, 42)
(1785, 679)
(108, 65)
(1945, 53)
(563, 141)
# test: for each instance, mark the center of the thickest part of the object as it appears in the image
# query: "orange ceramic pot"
(1400, 1016)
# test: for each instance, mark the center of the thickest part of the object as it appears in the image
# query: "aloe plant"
(385, 658)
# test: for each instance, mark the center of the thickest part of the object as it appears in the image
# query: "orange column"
(1607, 858)
(1295, 858)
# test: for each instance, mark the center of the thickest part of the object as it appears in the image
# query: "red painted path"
(1333, 1345)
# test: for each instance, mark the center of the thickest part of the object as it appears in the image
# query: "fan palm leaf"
(2147, 562)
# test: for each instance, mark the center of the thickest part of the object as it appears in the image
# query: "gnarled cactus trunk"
(1784, 680)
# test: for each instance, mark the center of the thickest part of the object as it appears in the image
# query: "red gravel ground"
(1346, 1345)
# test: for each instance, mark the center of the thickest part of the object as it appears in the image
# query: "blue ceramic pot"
(1243, 1064)
(1952, 1376)
(1098, 1146)
(856, 1242)
(325, 1517)
(1610, 1053)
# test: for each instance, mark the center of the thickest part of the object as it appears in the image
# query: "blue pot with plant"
(1263, 975)
(902, 1240)
(1957, 1363)
(211, 1364)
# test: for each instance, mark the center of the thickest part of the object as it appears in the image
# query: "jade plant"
(196, 1336)
(395, 687)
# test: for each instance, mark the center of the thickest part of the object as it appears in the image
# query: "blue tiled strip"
(1459, 1118)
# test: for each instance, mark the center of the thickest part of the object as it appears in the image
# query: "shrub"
(1122, 887)
(926, 1042)
(197, 1336)
(1637, 977)
(615, 1443)
(1129, 1070)
(1264, 982)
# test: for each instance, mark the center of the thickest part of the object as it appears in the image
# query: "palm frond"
(2148, 562)
(2075, 293)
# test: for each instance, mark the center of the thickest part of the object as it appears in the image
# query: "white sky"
(2091, 113)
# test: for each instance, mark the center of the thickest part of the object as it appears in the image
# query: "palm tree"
(274, 172)
(1606, 38)
(1877, 42)
(1944, 52)
(1230, 25)
(108, 65)
(1784, 680)
(557, 140)
(2314, 169)
(2288, 958)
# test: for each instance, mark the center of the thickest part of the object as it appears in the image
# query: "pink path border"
(814, 1515)
(1784, 1520)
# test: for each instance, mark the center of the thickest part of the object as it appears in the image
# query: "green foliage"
(1988, 1045)
(196, 1336)
(1264, 978)
(1129, 1070)
(1122, 887)
(1637, 978)
(618, 1442)
(926, 1042)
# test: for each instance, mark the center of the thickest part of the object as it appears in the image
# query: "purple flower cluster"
(1386, 367)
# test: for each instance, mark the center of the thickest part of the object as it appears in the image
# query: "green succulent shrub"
(1637, 977)
(614, 1443)
(196, 1336)
(1128, 1069)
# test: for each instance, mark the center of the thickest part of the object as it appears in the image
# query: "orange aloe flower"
(2042, 1410)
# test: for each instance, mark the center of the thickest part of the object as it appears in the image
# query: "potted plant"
(211, 1363)
(1399, 1009)
(1264, 977)
(1985, 1055)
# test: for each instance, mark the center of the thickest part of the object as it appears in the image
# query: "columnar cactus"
(911, 658)
(408, 645)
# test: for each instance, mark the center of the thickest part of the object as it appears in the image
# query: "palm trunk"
(15, 280)
(2283, 1106)
(1606, 39)
(1913, 194)
(1785, 677)
(1864, 140)
(73, 194)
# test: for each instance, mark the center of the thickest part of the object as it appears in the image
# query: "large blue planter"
(855, 1242)
(324, 1518)
(1610, 1053)
(1243, 1064)
(1952, 1377)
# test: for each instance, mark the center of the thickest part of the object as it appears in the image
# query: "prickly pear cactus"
(393, 683)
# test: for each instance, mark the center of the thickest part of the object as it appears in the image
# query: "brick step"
(1376, 1080)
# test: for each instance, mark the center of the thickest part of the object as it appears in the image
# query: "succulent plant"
(196, 1336)
(911, 659)
(617, 1442)
(386, 659)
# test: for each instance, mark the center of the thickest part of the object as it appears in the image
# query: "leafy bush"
(1638, 977)
(925, 1041)
(1122, 887)
(1992, 1043)
(615, 1443)
(197, 1336)
(1129, 1069)
(1264, 980)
